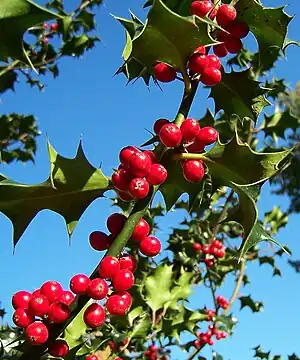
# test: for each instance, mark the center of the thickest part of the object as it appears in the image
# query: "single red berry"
(219, 253)
(157, 175)
(207, 135)
(214, 62)
(59, 348)
(189, 129)
(197, 343)
(123, 280)
(195, 147)
(22, 317)
(223, 335)
(115, 223)
(124, 196)
(159, 124)
(121, 179)
(38, 305)
(170, 135)
(141, 230)
(139, 188)
(45, 26)
(45, 40)
(21, 299)
(54, 26)
(218, 336)
(125, 155)
(99, 240)
(220, 50)
(209, 263)
(79, 284)
(233, 45)
(125, 296)
(198, 63)
(115, 305)
(217, 244)
(201, 8)
(197, 247)
(211, 77)
(164, 72)
(238, 29)
(91, 357)
(109, 267)
(151, 155)
(226, 14)
(58, 312)
(67, 297)
(52, 290)
(139, 165)
(200, 50)
(94, 315)
(210, 314)
(111, 344)
(213, 13)
(150, 246)
(193, 170)
(206, 249)
(127, 262)
(37, 333)
(98, 289)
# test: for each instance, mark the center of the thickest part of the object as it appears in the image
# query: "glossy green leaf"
(72, 185)
(247, 301)
(277, 124)
(141, 327)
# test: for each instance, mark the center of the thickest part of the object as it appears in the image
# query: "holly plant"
(134, 305)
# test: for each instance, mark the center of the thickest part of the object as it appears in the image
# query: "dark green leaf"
(260, 354)
(279, 122)
(7, 81)
(255, 306)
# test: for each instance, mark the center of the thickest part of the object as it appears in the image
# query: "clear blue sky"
(86, 99)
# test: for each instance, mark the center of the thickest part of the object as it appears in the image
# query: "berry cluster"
(148, 245)
(154, 353)
(209, 66)
(192, 137)
(138, 170)
(206, 337)
(210, 252)
(222, 302)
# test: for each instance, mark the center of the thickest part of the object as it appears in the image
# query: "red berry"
(197, 247)
(94, 315)
(211, 77)
(209, 263)
(213, 62)
(45, 40)
(125, 155)
(195, 147)
(127, 262)
(201, 8)
(141, 230)
(59, 348)
(115, 223)
(125, 296)
(159, 124)
(54, 26)
(206, 249)
(91, 357)
(219, 253)
(99, 240)
(193, 170)
(210, 342)
(123, 280)
(157, 175)
(38, 305)
(45, 26)
(37, 292)
(22, 318)
(151, 155)
(139, 165)
(21, 299)
(200, 50)
(139, 188)
(150, 246)
(220, 50)
(207, 135)
(52, 290)
(197, 343)
(37, 333)
(98, 289)
(67, 297)
(213, 13)
(109, 267)
(217, 244)
(233, 45)
(226, 14)
(121, 179)
(198, 63)
(124, 196)
(170, 135)
(189, 129)
(79, 284)
(238, 29)
(115, 305)
(58, 312)
(164, 72)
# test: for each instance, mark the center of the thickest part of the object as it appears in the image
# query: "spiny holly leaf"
(275, 219)
(71, 181)
(255, 306)
(278, 123)
(261, 354)
(141, 327)
(165, 37)
(293, 357)
(269, 25)
(238, 94)
(7, 81)
(16, 16)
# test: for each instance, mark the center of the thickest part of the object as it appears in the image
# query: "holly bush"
(132, 306)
